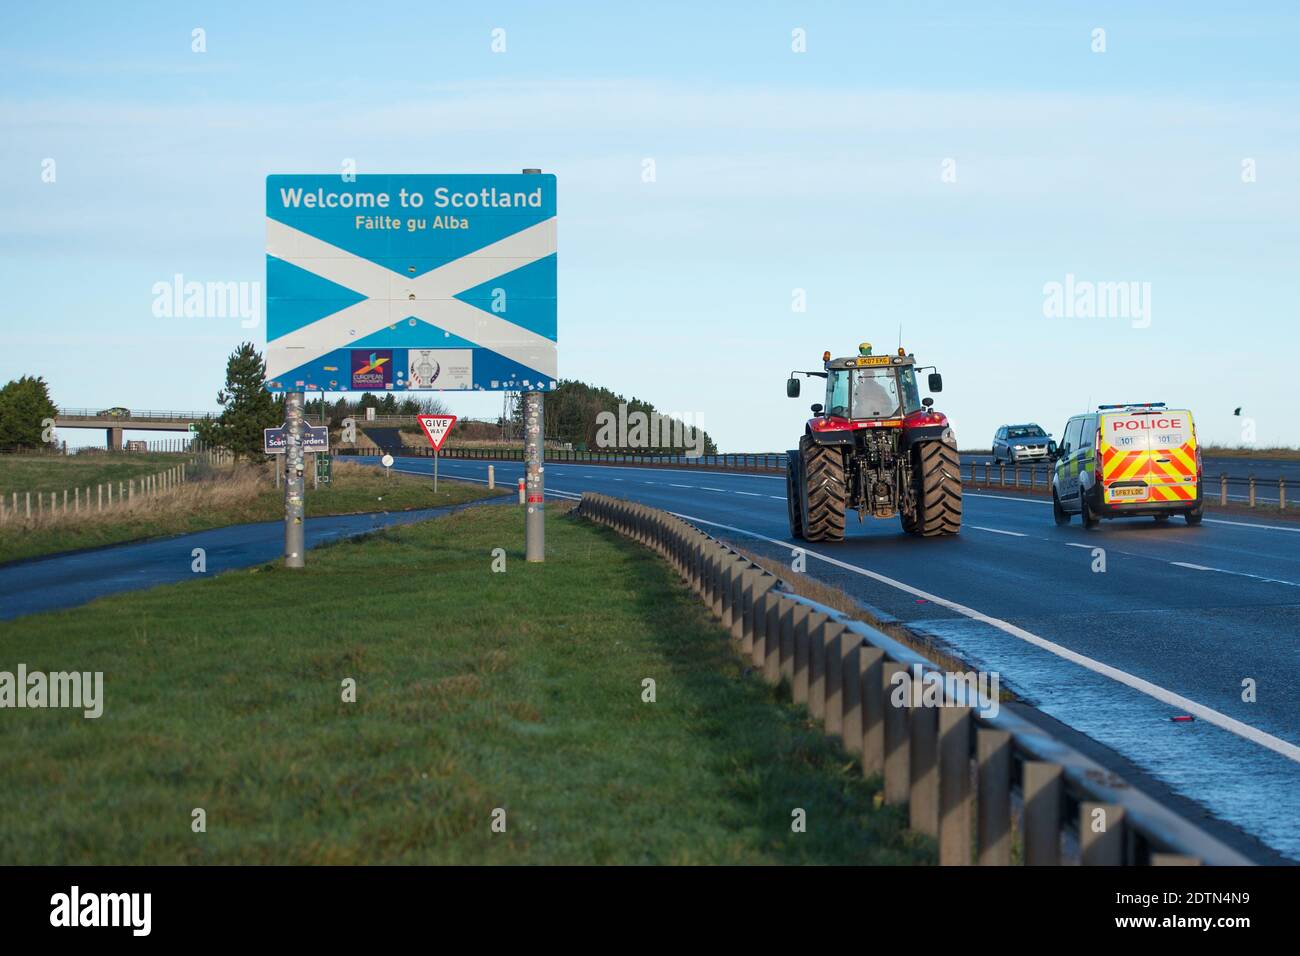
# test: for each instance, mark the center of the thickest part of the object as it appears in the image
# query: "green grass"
(231, 496)
(35, 473)
(475, 690)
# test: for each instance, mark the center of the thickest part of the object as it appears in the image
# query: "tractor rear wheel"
(938, 489)
(823, 484)
(794, 506)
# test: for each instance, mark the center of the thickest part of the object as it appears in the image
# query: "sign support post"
(435, 471)
(295, 487)
(534, 449)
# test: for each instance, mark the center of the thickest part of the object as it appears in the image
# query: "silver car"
(1014, 443)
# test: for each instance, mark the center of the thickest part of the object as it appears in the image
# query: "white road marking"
(1246, 524)
(1032, 501)
(1230, 724)
(720, 490)
(777, 497)
(1077, 544)
(752, 494)
(1193, 567)
(671, 485)
(1014, 534)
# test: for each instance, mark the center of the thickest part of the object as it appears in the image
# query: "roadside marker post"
(387, 462)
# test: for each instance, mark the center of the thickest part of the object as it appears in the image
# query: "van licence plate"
(1132, 491)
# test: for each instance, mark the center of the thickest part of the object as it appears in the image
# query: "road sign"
(411, 282)
(314, 438)
(324, 469)
(437, 428)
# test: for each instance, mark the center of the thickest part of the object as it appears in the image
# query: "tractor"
(875, 447)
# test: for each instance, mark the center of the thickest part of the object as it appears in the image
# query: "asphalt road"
(63, 581)
(1181, 620)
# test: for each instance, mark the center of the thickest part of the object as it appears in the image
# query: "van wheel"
(1060, 514)
(1085, 513)
(1194, 517)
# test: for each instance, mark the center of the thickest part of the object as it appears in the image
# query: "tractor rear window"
(875, 393)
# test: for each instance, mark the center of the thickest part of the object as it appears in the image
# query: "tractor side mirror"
(792, 387)
(936, 382)
(816, 408)
(928, 402)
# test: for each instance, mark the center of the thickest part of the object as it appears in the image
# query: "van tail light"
(1198, 464)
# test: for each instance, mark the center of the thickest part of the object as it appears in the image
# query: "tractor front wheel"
(938, 489)
(827, 494)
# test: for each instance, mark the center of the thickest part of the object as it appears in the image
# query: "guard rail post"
(898, 781)
(1041, 824)
(1223, 489)
(803, 626)
(1101, 834)
(1281, 494)
(923, 801)
(1251, 479)
(954, 786)
(851, 646)
(993, 797)
(871, 680)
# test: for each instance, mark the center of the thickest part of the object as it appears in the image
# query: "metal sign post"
(534, 444)
(295, 488)
(435, 471)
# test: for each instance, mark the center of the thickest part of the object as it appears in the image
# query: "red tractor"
(876, 447)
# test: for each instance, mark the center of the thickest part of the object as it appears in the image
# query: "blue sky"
(775, 171)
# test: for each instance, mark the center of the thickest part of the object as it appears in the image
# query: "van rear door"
(1148, 456)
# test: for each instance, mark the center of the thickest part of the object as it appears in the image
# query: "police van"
(1128, 460)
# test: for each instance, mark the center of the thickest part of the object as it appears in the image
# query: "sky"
(929, 166)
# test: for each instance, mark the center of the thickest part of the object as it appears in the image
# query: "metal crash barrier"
(953, 766)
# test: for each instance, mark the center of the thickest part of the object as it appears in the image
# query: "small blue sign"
(275, 441)
(411, 283)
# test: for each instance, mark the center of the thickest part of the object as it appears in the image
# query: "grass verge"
(46, 473)
(226, 496)
(476, 690)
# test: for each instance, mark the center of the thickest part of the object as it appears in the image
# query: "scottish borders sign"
(411, 282)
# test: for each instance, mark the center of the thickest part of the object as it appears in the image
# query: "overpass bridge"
(115, 421)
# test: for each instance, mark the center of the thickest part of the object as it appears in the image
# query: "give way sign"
(437, 427)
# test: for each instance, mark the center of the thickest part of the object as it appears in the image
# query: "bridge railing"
(152, 414)
(954, 765)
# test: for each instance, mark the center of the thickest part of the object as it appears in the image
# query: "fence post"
(1223, 489)
(1252, 491)
(1281, 494)
(993, 800)
(1002, 473)
(1041, 824)
(29, 504)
